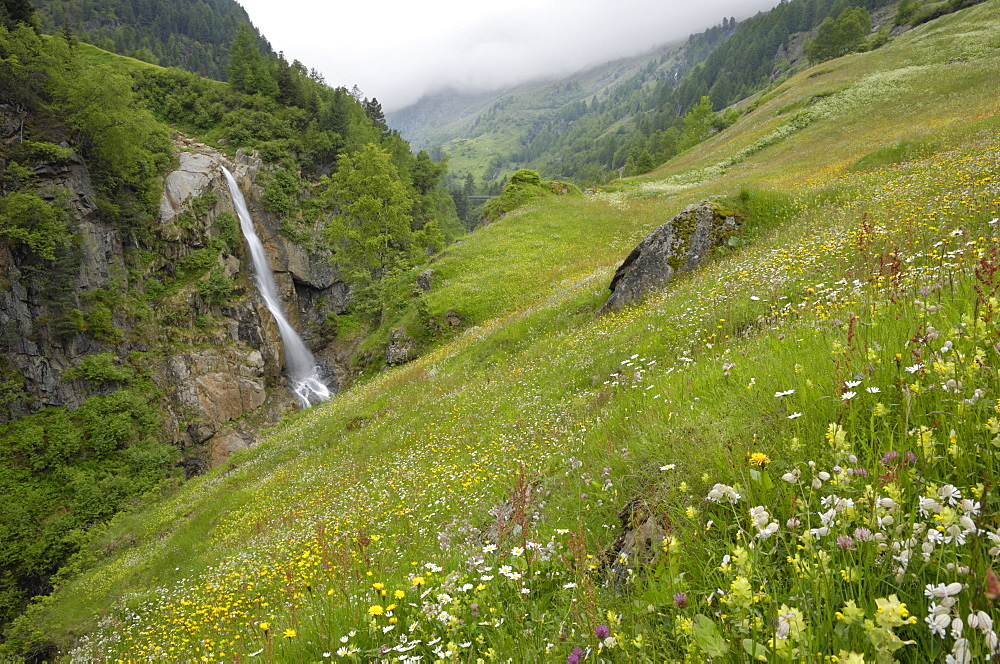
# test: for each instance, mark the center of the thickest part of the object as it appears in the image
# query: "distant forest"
(190, 34)
(661, 110)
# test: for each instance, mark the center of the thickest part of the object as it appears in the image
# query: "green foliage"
(280, 192)
(13, 12)
(905, 10)
(63, 471)
(228, 228)
(100, 324)
(125, 147)
(199, 261)
(37, 224)
(59, 291)
(45, 151)
(216, 288)
(193, 36)
(248, 71)
(100, 368)
(145, 55)
(698, 122)
(526, 177)
(837, 37)
(370, 229)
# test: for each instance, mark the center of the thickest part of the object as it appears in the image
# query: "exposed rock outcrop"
(217, 365)
(401, 348)
(424, 280)
(638, 544)
(678, 246)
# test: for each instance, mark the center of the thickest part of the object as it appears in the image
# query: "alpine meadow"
(789, 452)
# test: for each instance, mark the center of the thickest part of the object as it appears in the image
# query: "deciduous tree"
(370, 230)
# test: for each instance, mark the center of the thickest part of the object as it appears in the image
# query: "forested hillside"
(119, 299)
(648, 117)
(191, 34)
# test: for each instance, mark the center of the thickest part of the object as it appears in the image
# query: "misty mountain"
(625, 117)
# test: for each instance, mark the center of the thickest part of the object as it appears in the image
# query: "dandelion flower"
(759, 459)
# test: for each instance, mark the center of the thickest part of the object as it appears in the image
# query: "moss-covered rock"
(679, 245)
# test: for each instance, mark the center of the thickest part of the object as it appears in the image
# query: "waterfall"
(303, 374)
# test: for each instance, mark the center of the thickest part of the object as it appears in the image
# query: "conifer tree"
(248, 71)
(13, 12)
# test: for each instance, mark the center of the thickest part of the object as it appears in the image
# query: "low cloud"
(399, 51)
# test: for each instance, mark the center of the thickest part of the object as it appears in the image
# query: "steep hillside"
(194, 35)
(136, 348)
(787, 454)
(485, 133)
(627, 118)
(441, 117)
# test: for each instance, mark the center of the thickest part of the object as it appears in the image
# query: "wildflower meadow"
(789, 455)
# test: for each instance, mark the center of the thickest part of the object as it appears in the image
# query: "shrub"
(100, 368)
(526, 176)
(37, 224)
(228, 228)
(217, 288)
(101, 326)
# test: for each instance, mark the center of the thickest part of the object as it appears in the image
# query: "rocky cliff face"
(215, 358)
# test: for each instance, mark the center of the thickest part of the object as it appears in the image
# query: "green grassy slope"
(479, 132)
(466, 505)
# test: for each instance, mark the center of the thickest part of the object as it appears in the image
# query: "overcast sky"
(399, 50)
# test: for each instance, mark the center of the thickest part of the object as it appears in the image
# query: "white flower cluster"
(722, 492)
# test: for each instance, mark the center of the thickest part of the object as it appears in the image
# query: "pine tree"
(248, 71)
(373, 109)
(13, 12)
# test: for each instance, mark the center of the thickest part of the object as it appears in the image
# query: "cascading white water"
(302, 370)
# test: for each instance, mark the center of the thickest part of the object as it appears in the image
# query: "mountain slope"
(194, 35)
(485, 500)
(632, 120)
(135, 348)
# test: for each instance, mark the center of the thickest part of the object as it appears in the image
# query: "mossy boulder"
(679, 245)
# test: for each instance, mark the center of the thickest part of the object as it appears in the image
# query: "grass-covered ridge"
(806, 425)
